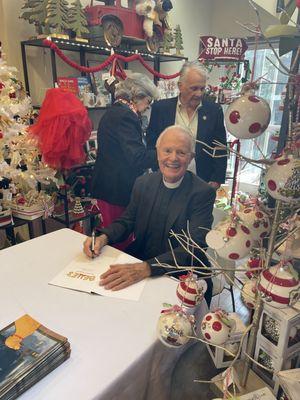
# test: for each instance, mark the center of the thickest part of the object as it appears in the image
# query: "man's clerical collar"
(173, 185)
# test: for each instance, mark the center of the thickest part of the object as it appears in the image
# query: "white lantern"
(248, 116)
(231, 241)
(283, 179)
(279, 285)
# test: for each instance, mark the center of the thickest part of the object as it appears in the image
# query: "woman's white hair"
(192, 65)
(182, 130)
(136, 87)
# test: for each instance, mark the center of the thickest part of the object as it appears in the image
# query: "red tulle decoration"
(62, 128)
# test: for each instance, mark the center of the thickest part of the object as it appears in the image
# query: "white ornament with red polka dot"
(216, 327)
(230, 241)
(174, 326)
(249, 292)
(248, 116)
(257, 221)
(283, 179)
(191, 290)
(279, 285)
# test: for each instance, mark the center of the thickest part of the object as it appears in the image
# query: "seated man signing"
(160, 202)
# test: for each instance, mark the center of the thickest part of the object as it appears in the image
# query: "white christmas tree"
(21, 167)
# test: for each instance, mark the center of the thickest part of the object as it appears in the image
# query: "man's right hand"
(100, 242)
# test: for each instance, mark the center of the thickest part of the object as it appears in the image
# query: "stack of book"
(28, 352)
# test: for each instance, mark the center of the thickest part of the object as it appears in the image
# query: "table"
(115, 353)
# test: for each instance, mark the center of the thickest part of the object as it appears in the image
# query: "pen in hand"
(93, 244)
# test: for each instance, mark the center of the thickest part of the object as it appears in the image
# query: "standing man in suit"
(201, 117)
(160, 202)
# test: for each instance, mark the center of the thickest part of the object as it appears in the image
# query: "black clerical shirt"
(154, 242)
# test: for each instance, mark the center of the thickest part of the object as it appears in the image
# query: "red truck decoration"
(142, 20)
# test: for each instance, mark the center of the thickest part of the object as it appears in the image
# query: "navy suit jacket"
(210, 128)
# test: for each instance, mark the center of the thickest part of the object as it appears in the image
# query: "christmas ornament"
(271, 328)
(78, 210)
(279, 285)
(230, 239)
(257, 221)
(173, 327)
(248, 293)
(216, 327)
(283, 179)
(248, 116)
(191, 290)
(254, 263)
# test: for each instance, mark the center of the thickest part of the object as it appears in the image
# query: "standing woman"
(122, 155)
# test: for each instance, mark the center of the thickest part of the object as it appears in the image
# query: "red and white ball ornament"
(191, 290)
(279, 285)
(283, 179)
(248, 116)
(257, 221)
(174, 326)
(216, 327)
(248, 293)
(230, 240)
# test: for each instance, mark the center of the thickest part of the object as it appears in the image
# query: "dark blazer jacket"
(122, 156)
(210, 127)
(193, 202)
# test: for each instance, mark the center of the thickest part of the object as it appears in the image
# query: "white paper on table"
(83, 274)
(132, 292)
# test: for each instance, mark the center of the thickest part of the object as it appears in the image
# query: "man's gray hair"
(184, 131)
(192, 65)
(136, 87)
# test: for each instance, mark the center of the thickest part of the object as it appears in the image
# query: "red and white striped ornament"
(248, 116)
(230, 240)
(279, 285)
(191, 290)
(216, 327)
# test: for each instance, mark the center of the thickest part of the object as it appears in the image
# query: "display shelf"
(35, 107)
(73, 45)
(85, 48)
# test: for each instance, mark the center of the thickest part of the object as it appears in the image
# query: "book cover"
(84, 86)
(28, 351)
(70, 84)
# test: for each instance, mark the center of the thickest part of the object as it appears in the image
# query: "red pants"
(109, 213)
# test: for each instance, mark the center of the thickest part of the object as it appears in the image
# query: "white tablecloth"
(115, 354)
